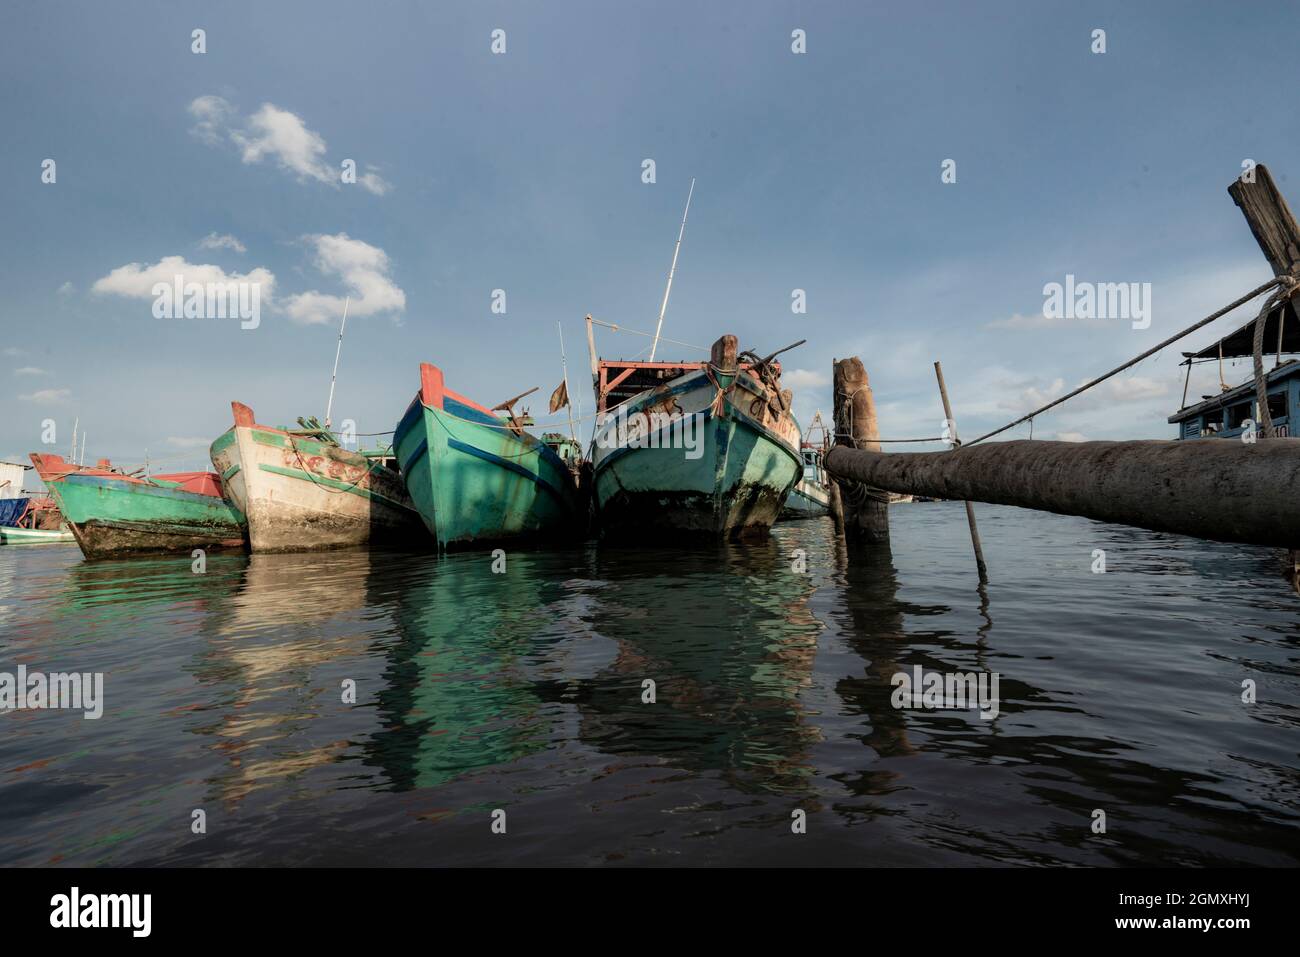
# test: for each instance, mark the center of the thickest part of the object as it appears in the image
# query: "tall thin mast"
(72, 456)
(564, 363)
(329, 406)
(672, 269)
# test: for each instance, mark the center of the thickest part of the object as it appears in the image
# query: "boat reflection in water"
(772, 666)
(728, 662)
(458, 689)
(276, 658)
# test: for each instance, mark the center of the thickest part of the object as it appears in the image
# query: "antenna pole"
(672, 269)
(564, 362)
(73, 454)
(329, 406)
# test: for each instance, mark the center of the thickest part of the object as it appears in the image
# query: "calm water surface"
(523, 691)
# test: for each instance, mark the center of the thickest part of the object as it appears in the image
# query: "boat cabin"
(812, 464)
(617, 381)
(1225, 415)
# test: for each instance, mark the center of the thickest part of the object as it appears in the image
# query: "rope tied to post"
(855, 494)
(720, 398)
(1287, 286)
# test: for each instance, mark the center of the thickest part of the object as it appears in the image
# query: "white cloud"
(13, 352)
(804, 379)
(362, 268)
(372, 181)
(1030, 398)
(284, 137)
(137, 280)
(1136, 389)
(1071, 437)
(67, 289)
(213, 241)
(1021, 323)
(213, 114)
(188, 442)
(47, 396)
(277, 135)
(30, 370)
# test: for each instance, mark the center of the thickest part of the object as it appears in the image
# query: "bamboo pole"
(671, 269)
(970, 509)
(591, 346)
(338, 351)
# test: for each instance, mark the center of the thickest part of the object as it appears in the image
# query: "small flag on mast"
(560, 397)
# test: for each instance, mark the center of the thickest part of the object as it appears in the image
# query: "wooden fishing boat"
(301, 490)
(35, 521)
(708, 447)
(111, 513)
(477, 476)
(16, 535)
(811, 495)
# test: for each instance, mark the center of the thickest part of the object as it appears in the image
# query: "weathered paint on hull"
(9, 535)
(806, 500)
(111, 517)
(735, 487)
(300, 494)
(474, 481)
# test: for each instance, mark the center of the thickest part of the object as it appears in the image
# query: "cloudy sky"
(523, 171)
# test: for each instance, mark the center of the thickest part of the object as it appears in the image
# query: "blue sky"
(522, 172)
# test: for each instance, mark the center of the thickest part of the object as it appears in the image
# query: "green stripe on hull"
(9, 535)
(475, 483)
(111, 516)
(327, 482)
(301, 494)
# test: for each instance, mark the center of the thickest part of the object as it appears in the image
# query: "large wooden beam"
(1218, 489)
(865, 515)
(1270, 220)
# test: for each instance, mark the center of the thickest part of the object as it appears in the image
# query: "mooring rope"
(1289, 286)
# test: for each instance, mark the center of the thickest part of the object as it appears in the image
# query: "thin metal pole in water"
(970, 509)
(329, 406)
(672, 269)
(564, 363)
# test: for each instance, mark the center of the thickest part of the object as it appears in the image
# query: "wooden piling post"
(723, 354)
(1270, 220)
(837, 509)
(970, 509)
(864, 510)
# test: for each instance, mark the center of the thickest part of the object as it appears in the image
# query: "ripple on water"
(529, 691)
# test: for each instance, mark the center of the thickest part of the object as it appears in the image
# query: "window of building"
(1277, 405)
